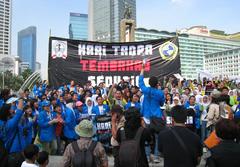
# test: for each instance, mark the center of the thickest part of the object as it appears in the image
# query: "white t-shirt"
(25, 164)
(132, 105)
(101, 110)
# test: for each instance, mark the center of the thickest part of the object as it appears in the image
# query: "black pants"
(115, 152)
(15, 159)
(3, 155)
(155, 127)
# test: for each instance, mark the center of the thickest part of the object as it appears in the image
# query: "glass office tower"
(27, 46)
(78, 26)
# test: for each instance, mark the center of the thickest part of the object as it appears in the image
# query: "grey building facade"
(105, 17)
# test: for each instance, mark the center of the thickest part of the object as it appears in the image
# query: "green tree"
(26, 73)
(11, 81)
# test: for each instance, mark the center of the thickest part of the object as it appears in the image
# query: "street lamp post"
(3, 82)
(3, 79)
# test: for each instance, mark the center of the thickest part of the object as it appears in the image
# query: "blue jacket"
(8, 130)
(1, 102)
(96, 111)
(153, 99)
(46, 131)
(198, 113)
(70, 123)
(80, 115)
(74, 89)
(25, 138)
(128, 105)
(35, 90)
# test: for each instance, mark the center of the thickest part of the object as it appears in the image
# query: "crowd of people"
(170, 119)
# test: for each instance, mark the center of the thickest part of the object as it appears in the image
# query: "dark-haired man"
(181, 140)
(132, 129)
(31, 154)
(118, 97)
(100, 108)
(153, 98)
(150, 109)
(227, 152)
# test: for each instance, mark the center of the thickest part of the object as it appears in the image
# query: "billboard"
(98, 62)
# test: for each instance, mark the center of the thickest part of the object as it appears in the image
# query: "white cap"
(176, 98)
(11, 100)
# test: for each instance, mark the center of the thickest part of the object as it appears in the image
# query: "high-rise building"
(193, 46)
(224, 63)
(105, 17)
(78, 26)
(5, 27)
(27, 46)
(38, 66)
(24, 66)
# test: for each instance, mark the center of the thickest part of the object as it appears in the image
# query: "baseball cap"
(45, 103)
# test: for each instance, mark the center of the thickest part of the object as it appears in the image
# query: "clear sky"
(152, 14)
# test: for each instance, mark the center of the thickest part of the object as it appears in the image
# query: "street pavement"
(56, 161)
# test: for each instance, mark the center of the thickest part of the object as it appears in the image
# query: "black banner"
(110, 62)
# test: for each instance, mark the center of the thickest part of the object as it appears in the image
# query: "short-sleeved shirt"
(174, 154)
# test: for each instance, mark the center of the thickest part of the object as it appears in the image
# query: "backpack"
(129, 152)
(84, 157)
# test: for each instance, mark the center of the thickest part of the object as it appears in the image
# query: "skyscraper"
(78, 26)
(27, 46)
(105, 17)
(5, 26)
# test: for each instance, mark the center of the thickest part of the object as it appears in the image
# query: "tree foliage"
(26, 73)
(12, 81)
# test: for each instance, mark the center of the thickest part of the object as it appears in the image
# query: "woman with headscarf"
(87, 108)
(204, 108)
(168, 113)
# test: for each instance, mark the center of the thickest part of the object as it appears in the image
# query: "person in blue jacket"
(153, 98)
(9, 134)
(133, 103)
(87, 108)
(46, 122)
(5, 93)
(100, 108)
(150, 109)
(72, 87)
(196, 107)
(69, 124)
(26, 127)
(80, 113)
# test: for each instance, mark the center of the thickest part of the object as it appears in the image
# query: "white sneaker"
(157, 160)
(151, 158)
(205, 149)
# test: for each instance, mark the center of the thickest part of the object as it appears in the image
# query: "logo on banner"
(59, 49)
(168, 51)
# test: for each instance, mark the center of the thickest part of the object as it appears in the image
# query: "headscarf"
(89, 108)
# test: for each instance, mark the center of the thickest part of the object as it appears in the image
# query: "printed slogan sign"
(99, 62)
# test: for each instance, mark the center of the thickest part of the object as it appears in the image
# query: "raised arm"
(110, 96)
(141, 81)
(13, 122)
